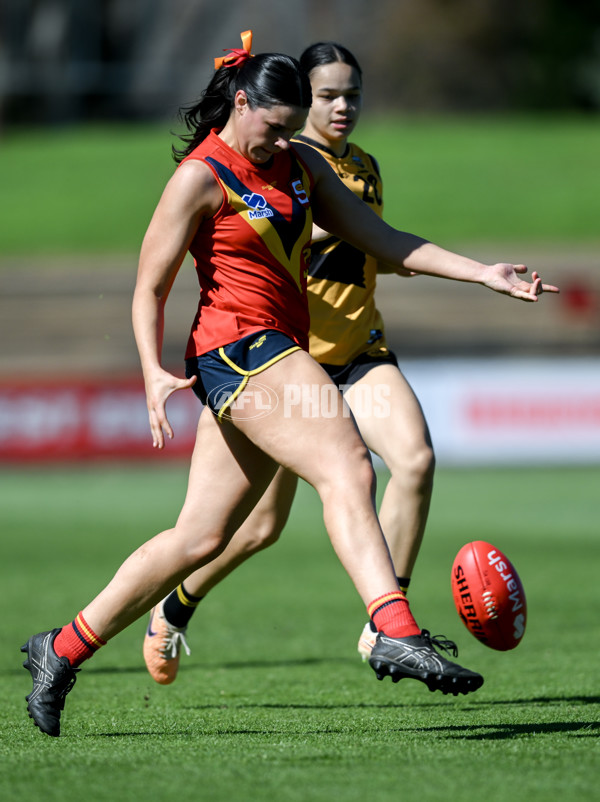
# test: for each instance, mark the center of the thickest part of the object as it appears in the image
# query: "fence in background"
(480, 412)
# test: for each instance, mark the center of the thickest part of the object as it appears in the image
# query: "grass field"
(274, 702)
(454, 180)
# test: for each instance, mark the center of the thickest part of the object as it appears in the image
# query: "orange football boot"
(162, 645)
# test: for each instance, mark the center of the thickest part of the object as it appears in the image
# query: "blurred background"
(484, 118)
(64, 61)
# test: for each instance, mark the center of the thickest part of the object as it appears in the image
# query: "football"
(489, 595)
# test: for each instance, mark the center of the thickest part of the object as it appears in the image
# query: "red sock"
(77, 641)
(391, 614)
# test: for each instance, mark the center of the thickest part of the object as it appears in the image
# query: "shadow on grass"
(474, 704)
(498, 731)
(502, 732)
(485, 732)
(237, 666)
(544, 700)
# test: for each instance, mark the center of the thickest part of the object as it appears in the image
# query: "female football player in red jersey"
(347, 338)
(242, 202)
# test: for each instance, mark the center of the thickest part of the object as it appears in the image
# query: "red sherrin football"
(489, 596)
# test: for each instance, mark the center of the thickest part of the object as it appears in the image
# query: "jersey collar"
(313, 143)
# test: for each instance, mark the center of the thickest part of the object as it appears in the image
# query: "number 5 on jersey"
(300, 192)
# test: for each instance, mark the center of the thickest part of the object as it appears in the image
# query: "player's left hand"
(505, 278)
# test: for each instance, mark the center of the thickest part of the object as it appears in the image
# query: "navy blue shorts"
(345, 375)
(222, 374)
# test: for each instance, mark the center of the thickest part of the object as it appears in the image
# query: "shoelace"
(174, 639)
(66, 689)
(440, 642)
(60, 685)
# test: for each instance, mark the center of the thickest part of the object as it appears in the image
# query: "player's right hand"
(159, 388)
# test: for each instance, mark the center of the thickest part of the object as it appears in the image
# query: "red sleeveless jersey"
(252, 256)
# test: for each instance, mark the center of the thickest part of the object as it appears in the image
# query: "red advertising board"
(70, 419)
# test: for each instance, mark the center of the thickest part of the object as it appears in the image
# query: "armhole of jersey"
(222, 187)
(375, 164)
(217, 179)
(305, 167)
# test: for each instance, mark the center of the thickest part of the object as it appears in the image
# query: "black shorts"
(346, 375)
(222, 374)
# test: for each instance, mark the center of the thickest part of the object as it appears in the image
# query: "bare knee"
(202, 550)
(352, 475)
(415, 468)
(261, 530)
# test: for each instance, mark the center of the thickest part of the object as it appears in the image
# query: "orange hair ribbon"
(236, 56)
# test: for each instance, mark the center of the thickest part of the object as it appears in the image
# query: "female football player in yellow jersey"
(347, 338)
(242, 201)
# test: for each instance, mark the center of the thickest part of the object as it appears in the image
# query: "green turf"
(274, 702)
(81, 190)
(475, 179)
(526, 180)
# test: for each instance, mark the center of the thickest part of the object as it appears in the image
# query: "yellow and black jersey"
(344, 321)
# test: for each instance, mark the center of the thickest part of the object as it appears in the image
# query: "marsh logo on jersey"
(259, 206)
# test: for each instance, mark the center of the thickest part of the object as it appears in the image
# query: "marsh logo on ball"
(489, 596)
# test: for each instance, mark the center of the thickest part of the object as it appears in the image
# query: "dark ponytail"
(268, 79)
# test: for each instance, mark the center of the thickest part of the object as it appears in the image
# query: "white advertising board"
(510, 411)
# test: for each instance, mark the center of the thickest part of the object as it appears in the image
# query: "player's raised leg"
(308, 442)
(392, 424)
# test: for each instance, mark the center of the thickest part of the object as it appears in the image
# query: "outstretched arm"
(338, 210)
